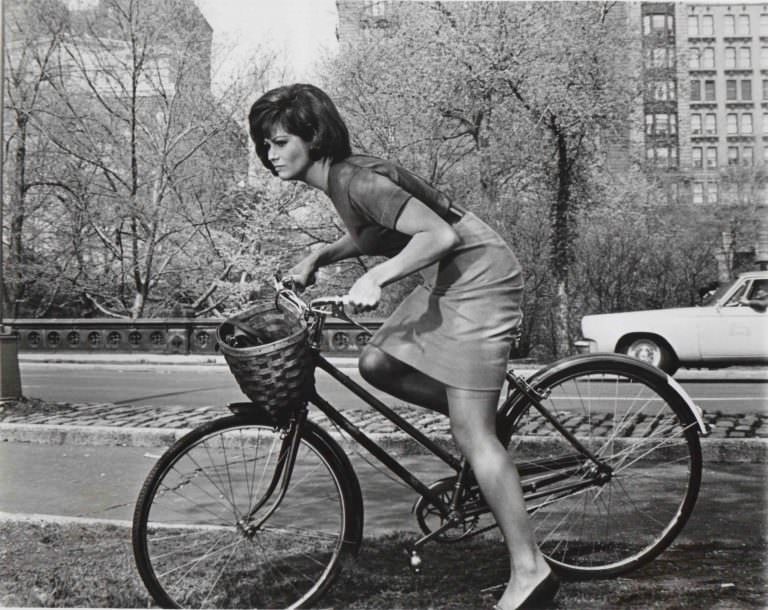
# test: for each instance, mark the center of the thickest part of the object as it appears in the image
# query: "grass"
(75, 565)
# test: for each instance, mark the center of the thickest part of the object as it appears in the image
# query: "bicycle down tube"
(363, 439)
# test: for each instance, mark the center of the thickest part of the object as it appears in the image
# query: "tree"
(147, 149)
(504, 106)
(35, 31)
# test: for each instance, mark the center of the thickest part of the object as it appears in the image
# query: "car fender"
(677, 327)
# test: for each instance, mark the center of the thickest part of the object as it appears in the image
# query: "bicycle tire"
(191, 546)
(630, 416)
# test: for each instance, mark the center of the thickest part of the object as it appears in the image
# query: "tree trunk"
(560, 218)
(15, 287)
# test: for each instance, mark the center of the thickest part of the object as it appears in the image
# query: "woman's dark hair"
(302, 110)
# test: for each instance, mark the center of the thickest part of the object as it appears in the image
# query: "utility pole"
(10, 378)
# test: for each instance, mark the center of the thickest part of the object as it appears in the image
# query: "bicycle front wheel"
(211, 530)
(591, 522)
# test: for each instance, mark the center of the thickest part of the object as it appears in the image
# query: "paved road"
(203, 385)
(98, 482)
(103, 483)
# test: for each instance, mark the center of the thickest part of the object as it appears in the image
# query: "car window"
(734, 300)
(713, 296)
(759, 290)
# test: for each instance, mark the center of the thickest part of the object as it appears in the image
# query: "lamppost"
(10, 379)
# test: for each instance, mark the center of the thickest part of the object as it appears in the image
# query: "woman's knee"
(373, 365)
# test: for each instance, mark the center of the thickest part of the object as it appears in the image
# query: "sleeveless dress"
(457, 327)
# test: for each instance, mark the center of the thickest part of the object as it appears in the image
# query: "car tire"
(652, 351)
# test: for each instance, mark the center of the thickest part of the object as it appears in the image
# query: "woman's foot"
(538, 595)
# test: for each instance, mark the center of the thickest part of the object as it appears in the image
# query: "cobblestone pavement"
(31, 412)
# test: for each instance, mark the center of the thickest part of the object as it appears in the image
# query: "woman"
(447, 343)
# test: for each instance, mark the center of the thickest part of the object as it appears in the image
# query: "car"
(729, 328)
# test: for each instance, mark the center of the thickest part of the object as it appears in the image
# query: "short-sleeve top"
(370, 193)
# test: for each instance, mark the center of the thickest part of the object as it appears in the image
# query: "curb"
(747, 373)
(714, 450)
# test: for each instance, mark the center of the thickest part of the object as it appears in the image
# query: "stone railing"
(163, 335)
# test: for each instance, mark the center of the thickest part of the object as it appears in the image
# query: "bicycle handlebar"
(327, 306)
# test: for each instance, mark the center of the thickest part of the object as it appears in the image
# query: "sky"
(300, 31)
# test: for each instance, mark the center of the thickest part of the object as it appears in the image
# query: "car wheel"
(653, 352)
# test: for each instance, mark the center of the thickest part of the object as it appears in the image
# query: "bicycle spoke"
(608, 520)
(205, 542)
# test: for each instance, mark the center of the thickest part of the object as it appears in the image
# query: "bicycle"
(253, 511)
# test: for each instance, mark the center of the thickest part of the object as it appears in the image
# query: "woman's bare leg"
(401, 380)
(473, 423)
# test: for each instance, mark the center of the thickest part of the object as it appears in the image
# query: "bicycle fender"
(697, 413)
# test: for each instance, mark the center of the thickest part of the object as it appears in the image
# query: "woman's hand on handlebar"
(364, 295)
(301, 276)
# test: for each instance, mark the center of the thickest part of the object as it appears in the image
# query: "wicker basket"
(276, 373)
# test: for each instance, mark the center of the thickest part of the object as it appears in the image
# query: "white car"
(731, 328)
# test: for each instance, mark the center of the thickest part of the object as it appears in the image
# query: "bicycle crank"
(445, 528)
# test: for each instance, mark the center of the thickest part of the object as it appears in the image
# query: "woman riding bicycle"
(448, 341)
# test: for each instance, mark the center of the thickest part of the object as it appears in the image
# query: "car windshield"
(713, 296)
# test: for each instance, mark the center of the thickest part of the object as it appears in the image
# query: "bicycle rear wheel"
(590, 524)
(196, 543)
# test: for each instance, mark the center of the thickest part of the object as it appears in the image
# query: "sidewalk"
(732, 439)
(741, 373)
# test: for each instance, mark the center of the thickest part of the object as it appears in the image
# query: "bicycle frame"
(552, 470)
(555, 469)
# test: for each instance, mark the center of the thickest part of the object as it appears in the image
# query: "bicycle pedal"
(415, 561)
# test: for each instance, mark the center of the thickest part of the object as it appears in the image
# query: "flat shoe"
(543, 594)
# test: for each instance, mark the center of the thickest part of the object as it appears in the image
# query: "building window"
(658, 24)
(765, 125)
(746, 155)
(662, 156)
(763, 57)
(711, 157)
(765, 89)
(730, 90)
(709, 90)
(742, 25)
(695, 90)
(746, 90)
(729, 25)
(733, 155)
(732, 125)
(707, 25)
(708, 58)
(730, 58)
(662, 91)
(712, 192)
(694, 62)
(710, 124)
(693, 25)
(695, 124)
(661, 124)
(745, 58)
(746, 123)
(764, 24)
(696, 156)
(697, 190)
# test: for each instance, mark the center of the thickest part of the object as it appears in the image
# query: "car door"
(734, 330)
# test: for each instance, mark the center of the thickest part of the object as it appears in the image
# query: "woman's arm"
(432, 238)
(343, 248)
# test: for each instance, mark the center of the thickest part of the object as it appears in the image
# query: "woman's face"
(288, 154)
